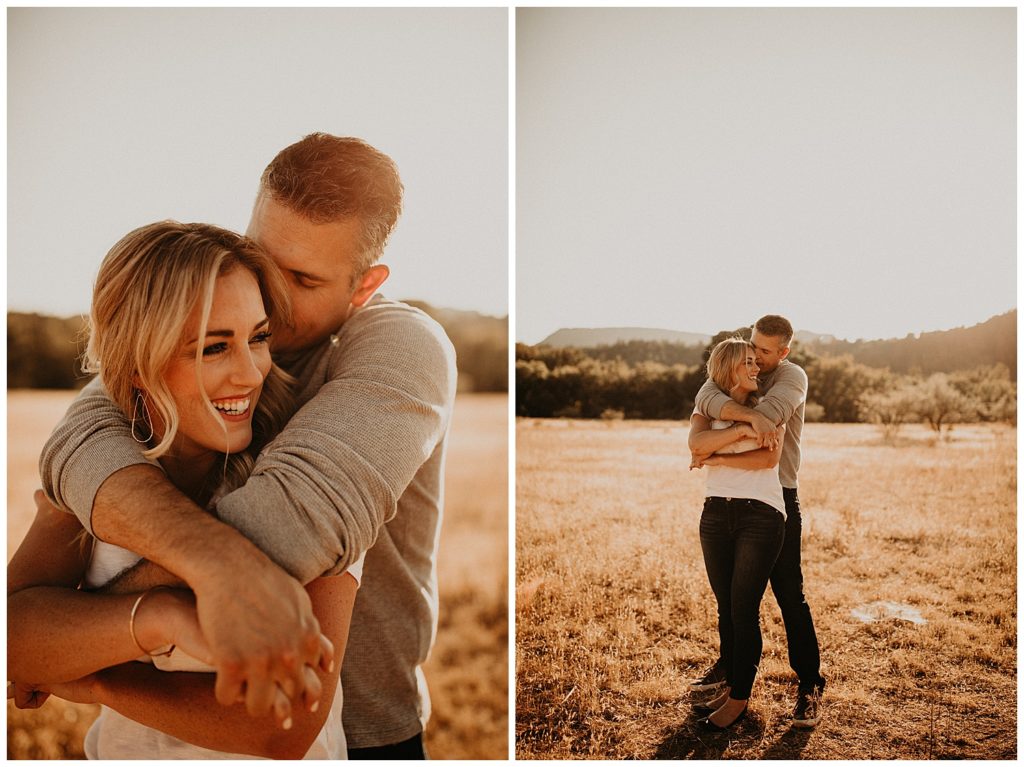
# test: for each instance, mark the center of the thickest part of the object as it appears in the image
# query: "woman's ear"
(369, 283)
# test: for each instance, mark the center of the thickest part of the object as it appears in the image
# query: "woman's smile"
(233, 409)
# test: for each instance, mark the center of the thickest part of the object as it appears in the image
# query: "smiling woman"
(217, 380)
(195, 301)
(179, 334)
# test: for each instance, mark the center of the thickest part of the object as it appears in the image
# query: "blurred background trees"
(972, 379)
(45, 352)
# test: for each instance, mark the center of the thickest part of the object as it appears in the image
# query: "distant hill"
(988, 343)
(591, 337)
(807, 337)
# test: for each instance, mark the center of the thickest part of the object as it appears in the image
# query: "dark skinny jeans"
(741, 539)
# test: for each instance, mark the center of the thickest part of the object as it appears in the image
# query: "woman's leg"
(716, 542)
(759, 534)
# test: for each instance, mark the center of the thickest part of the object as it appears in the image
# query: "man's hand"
(765, 431)
(262, 633)
(255, 617)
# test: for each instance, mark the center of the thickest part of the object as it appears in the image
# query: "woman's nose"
(245, 371)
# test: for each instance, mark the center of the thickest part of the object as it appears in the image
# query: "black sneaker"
(713, 679)
(807, 711)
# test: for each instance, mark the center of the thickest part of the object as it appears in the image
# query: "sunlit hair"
(724, 358)
(327, 178)
(777, 327)
(147, 286)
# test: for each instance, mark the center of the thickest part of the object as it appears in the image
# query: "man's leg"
(406, 750)
(788, 586)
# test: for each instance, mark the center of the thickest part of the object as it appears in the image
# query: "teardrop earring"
(145, 418)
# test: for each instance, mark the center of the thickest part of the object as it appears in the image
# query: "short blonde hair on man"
(724, 358)
(147, 286)
(327, 178)
(775, 326)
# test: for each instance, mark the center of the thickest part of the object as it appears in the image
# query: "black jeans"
(741, 539)
(788, 586)
(407, 750)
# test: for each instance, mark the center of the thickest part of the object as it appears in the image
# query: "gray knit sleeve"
(91, 442)
(321, 490)
(710, 400)
(787, 392)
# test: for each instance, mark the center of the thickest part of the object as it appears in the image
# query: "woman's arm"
(762, 458)
(704, 440)
(56, 633)
(183, 704)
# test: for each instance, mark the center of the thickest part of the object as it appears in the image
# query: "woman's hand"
(82, 690)
(168, 616)
(26, 696)
(745, 430)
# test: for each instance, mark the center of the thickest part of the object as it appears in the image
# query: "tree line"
(570, 382)
(45, 352)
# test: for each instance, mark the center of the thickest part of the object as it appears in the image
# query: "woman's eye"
(261, 338)
(214, 349)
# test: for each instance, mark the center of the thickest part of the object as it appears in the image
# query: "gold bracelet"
(131, 625)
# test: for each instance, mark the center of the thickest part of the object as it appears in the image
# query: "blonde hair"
(147, 286)
(724, 358)
(327, 178)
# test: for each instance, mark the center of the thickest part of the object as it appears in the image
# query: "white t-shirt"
(114, 736)
(758, 484)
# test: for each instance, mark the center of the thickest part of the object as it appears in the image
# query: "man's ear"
(371, 280)
(785, 353)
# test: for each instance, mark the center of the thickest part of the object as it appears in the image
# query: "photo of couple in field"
(766, 390)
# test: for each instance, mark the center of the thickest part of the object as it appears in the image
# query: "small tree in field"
(994, 394)
(890, 409)
(941, 404)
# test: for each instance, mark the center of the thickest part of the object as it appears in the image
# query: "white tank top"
(729, 482)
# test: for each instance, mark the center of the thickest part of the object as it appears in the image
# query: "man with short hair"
(359, 465)
(783, 389)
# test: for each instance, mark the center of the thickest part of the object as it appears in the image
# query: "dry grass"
(614, 612)
(468, 671)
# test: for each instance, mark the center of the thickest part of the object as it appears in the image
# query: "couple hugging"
(266, 435)
(745, 429)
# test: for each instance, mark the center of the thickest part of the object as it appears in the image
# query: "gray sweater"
(783, 395)
(360, 464)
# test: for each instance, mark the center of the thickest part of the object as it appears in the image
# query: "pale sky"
(118, 117)
(693, 169)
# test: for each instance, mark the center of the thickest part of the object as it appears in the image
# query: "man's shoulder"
(393, 333)
(789, 371)
(386, 316)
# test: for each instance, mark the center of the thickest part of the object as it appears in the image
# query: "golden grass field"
(614, 613)
(468, 669)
